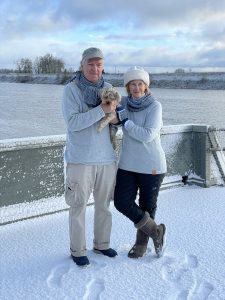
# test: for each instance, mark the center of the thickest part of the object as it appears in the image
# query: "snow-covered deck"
(35, 261)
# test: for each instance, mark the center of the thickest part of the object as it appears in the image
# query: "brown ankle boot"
(156, 232)
(140, 246)
(160, 241)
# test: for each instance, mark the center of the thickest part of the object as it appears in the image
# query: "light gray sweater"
(84, 145)
(141, 146)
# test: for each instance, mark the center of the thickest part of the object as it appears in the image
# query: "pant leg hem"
(102, 246)
(78, 253)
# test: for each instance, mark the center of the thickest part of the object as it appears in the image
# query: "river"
(35, 109)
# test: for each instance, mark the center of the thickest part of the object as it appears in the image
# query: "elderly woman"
(142, 163)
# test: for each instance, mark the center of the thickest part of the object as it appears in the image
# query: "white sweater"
(84, 145)
(141, 146)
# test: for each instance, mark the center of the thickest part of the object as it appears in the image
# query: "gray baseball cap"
(92, 53)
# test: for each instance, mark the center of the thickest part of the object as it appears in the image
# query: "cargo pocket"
(72, 194)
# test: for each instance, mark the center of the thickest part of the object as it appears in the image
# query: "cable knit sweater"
(84, 144)
(141, 146)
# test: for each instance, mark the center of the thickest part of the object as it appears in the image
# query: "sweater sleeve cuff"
(129, 124)
(100, 111)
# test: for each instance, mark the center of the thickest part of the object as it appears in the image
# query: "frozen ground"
(35, 261)
(187, 80)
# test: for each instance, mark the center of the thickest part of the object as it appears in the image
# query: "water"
(35, 109)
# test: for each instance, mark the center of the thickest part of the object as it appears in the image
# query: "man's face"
(92, 68)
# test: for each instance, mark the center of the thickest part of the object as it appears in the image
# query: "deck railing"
(33, 168)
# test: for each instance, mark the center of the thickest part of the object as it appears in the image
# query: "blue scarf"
(89, 89)
(140, 103)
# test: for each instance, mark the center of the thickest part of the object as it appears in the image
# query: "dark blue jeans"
(126, 189)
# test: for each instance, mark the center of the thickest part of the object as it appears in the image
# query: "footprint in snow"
(172, 270)
(94, 289)
(202, 290)
(95, 286)
(190, 262)
(55, 277)
(183, 282)
(96, 265)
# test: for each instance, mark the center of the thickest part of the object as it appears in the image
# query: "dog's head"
(110, 94)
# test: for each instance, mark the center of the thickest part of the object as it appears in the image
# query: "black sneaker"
(160, 242)
(81, 261)
(108, 252)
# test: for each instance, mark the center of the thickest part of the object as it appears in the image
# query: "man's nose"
(94, 68)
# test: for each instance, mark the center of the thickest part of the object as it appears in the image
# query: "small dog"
(107, 96)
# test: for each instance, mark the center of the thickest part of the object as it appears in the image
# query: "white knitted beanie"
(136, 73)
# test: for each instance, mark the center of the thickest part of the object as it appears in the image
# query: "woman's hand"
(122, 114)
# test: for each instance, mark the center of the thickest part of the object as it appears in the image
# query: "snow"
(35, 261)
(190, 80)
(28, 142)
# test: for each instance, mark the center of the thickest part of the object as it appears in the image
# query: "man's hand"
(115, 120)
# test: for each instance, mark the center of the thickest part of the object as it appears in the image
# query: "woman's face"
(137, 88)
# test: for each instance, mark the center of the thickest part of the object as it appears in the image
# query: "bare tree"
(24, 65)
(179, 71)
(36, 65)
(48, 64)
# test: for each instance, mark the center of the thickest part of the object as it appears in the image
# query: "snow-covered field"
(35, 261)
(190, 80)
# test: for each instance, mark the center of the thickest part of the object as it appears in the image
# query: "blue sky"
(158, 35)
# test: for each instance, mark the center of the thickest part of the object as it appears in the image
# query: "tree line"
(47, 64)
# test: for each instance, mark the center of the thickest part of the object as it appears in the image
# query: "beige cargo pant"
(81, 181)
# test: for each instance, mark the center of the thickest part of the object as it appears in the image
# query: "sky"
(158, 35)
(35, 262)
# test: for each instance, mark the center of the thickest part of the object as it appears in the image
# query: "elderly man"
(89, 155)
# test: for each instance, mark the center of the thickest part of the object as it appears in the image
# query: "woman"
(142, 163)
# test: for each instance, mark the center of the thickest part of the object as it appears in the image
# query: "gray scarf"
(89, 89)
(139, 104)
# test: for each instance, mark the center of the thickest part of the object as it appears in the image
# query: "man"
(90, 158)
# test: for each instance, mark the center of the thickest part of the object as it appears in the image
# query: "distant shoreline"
(204, 81)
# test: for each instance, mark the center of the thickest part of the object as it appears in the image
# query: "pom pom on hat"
(136, 73)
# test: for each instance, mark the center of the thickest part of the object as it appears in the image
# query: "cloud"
(160, 33)
(213, 57)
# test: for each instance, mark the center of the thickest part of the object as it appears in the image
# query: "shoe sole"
(84, 266)
(99, 252)
(149, 250)
(160, 253)
(81, 266)
(136, 257)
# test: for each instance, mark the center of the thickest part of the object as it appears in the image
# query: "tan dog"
(107, 96)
